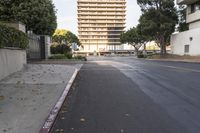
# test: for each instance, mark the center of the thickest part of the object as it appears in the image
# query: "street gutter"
(55, 110)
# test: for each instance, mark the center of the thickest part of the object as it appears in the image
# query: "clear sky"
(67, 14)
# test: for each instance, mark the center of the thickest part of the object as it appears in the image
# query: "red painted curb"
(54, 112)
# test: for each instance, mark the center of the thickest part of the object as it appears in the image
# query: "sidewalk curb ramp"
(55, 110)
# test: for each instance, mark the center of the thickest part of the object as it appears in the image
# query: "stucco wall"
(17, 25)
(11, 60)
(194, 25)
(191, 38)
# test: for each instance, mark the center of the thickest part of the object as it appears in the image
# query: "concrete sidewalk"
(178, 60)
(27, 97)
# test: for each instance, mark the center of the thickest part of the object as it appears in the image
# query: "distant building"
(188, 42)
(100, 23)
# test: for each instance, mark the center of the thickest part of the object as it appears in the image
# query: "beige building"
(100, 23)
(188, 42)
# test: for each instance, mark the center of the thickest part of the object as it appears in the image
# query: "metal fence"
(39, 46)
(34, 48)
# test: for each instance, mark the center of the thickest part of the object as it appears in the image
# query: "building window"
(187, 49)
(195, 7)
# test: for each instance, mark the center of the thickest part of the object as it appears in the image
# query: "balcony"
(81, 39)
(85, 43)
(186, 1)
(102, 13)
(101, 1)
(101, 18)
(99, 30)
(99, 34)
(101, 5)
(101, 22)
(102, 9)
(104, 26)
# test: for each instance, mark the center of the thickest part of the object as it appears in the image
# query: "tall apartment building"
(188, 42)
(100, 23)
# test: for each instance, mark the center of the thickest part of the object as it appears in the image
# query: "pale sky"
(67, 14)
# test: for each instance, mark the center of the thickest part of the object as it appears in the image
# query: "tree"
(182, 11)
(38, 15)
(62, 36)
(158, 20)
(134, 38)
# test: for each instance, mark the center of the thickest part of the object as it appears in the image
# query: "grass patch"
(58, 56)
(67, 57)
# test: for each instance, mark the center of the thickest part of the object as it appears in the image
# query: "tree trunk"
(162, 45)
(165, 50)
(136, 51)
(144, 46)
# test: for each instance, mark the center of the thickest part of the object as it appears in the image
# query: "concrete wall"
(194, 25)
(17, 25)
(192, 17)
(185, 1)
(11, 60)
(191, 38)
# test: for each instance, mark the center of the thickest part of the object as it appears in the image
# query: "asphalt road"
(127, 95)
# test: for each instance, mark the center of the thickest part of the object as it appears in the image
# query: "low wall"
(190, 38)
(11, 60)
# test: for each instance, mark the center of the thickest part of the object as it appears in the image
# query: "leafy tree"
(62, 36)
(38, 15)
(134, 38)
(182, 11)
(158, 20)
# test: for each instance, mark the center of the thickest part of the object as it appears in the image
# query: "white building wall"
(193, 17)
(194, 25)
(191, 38)
(11, 61)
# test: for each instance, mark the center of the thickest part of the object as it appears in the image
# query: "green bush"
(58, 56)
(79, 57)
(60, 49)
(10, 37)
(140, 56)
(68, 55)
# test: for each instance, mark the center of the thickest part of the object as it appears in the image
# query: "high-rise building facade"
(100, 23)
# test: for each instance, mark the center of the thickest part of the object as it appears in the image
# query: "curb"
(182, 61)
(54, 112)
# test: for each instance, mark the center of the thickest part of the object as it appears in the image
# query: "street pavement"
(129, 95)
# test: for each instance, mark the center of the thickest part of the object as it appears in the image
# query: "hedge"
(60, 49)
(10, 37)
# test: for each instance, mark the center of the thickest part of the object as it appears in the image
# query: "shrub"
(60, 49)
(79, 57)
(68, 55)
(140, 56)
(10, 37)
(58, 56)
